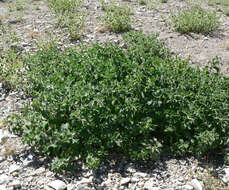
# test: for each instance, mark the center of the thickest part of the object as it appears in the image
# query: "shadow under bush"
(140, 101)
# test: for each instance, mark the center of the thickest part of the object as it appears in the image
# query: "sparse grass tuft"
(11, 64)
(74, 23)
(17, 6)
(117, 18)
(62, 7)
(8, 148)
(218, 2)
(196, 20)
(226, 11)
(142, 2)
(69, 16)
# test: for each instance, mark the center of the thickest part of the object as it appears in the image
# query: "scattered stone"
(3, 187)
(4, 179)
(140, 175)
(188, 187)
(16, 184)
(152, 188)
(225, 177)
(82, 187)
(86, 180)
(71, 187)
(14, 168)
(196, 184)
(125, 181)
(134, 179)
(149, 185)
(39, 171)
(58, 185)
(49, 174)
(14, 21)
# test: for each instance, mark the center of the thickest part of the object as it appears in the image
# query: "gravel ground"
(20, 168)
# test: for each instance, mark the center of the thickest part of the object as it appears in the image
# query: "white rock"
(82, 186)
(28, 160)
(225, 178)
(188, 187)
(86, 180)
(49, 174)
(3, 136)
(4, 179)
(2, 158)
(14, 168)
(140, 175)
(197, 185)
(71, 187)
(134, 179)
(226, 170)
(16, 184)
(149, 186)
(39, 171)
(130, 168)
(58, 185)
(124, 181)
(46, 187)
(141, 184)
(3, 187)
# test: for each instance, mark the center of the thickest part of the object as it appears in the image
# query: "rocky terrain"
(20, 168)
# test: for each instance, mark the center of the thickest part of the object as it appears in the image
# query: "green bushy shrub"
(140, 102)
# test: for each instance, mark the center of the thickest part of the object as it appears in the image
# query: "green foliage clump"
(117, 18)
(140, 101)
(196, 20)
